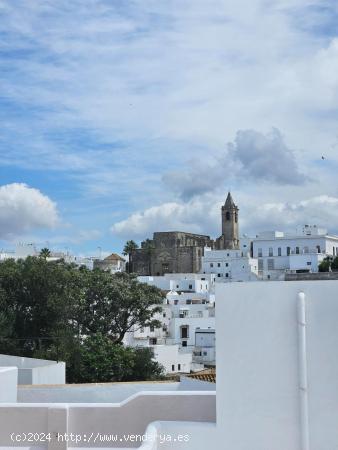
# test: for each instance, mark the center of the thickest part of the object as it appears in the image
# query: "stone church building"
(180, 252)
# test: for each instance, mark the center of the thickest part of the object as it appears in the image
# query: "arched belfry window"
(227, 215)
(236, 217)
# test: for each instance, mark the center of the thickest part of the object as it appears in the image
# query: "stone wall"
(170, 252)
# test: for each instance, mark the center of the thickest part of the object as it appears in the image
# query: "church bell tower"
(230, 233)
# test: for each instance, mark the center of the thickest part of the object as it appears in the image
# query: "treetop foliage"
(57, 310)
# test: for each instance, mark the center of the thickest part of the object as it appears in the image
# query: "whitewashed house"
(113, 263)
(278, 252)
(189, 305)
(230, 265)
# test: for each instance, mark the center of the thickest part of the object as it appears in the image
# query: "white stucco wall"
(259, 401)
(91, 393)
(8, 384)
(36, 371)
(130, 417)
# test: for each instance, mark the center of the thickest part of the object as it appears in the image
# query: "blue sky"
(122, 118)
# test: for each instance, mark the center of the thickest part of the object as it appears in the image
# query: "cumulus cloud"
(321, 210)
(202, 215)
(252, 156)
(23, 208)
(194, 216)
(265, 157)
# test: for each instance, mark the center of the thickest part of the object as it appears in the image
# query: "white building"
(182, 282)
(189, 305)
(113, 263)
(278, 252)
(277, 385)
(230, 265)
(205, 346)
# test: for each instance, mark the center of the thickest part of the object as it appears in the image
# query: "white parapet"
(8, 384)
(35, 371)
(93, 424)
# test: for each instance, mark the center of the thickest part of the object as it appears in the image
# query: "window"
(211, 264)
(227, 275)
(173, 368)
(279, 251)
(218, 264)
(188, 302)
(218, 275)
(175, 302)
(309, 263)
(152, 328)
(227, 215)
(226, 264)
(306, 249)
(205, 353)
(297, 250)
(152, 341)
(184, 343)
(271, 264)
(318, 249)
(190, 286)
(164, 315)
(260, 264)
(288, 250)
(178, 366)
(270, 251)
(260, 253)
(184, 332)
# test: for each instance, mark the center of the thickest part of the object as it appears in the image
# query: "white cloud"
(252, 156)
(194, 216)
(172, 81)
(203, 215)
(23, 208)
(321, 210)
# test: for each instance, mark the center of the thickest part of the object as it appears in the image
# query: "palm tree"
(45, 253)
(129, 247)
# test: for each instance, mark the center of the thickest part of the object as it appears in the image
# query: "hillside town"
(187, 267)
(241, 290)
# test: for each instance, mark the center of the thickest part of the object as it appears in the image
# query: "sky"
(121, 118)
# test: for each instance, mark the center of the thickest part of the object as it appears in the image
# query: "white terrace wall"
(130, 417)
(277, 366)
(8, 384)
(36, 371)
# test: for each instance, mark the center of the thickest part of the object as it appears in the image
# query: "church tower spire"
(230, 232)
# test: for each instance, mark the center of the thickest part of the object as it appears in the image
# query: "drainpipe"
(303, 375)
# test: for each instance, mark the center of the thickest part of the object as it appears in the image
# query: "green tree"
(115, 304)
(7, 317)
(325, 265)
(128, 249)
(45, 253)
(55, 310)
(334, 265)
(103, 361)
(144, 366)
(41, 296)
